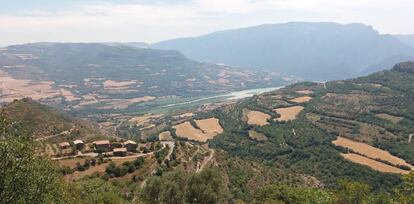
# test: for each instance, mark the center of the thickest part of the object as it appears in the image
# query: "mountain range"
(313, 51)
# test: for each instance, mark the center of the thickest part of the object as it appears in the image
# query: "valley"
(305, 134)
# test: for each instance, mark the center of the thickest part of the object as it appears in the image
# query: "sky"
(23, 21)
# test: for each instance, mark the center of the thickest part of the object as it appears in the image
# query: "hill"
(357, 129)
(97, 76)
(313, 51)
(47, 124)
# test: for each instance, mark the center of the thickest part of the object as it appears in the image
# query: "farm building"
(120, 152)
(102, 146)
(131, 146)
(64, 145)
(79, 144)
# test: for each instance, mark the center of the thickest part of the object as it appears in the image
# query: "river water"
(228, 96)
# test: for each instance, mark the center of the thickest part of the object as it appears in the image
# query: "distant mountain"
(407, 39)
(115, 77)
(314, 51)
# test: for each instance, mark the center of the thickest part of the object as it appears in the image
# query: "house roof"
(64, 144)
(101, 142)
(77, 142)
(120, 150)
(129, 142)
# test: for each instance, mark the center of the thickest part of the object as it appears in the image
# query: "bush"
(131, 168)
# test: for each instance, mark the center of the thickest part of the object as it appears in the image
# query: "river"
(228, 96)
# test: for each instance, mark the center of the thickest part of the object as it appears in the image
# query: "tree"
(352, 193)
(95, 191)
(405, 193)
(25, 177)
(293, 195)
(178, 187)
(207, 187)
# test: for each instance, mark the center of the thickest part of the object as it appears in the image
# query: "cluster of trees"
(346, 193)
(112, 170)
(183, 187)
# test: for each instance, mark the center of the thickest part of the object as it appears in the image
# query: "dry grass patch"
(165, 136)
(256, 117)
(287, 114)
(302, 99)
(394, 119)
(257, 136)
(370, 151)
(379, 166)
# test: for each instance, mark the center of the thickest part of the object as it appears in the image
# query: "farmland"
(301, 99)
(208, 129)
(379, 166)
(289, 113)
(256, 117)
(370, 152)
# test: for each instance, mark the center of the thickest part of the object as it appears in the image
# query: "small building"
(131, 146)
(102, 146)
(64, 145)
(120, 152)
(79, 144)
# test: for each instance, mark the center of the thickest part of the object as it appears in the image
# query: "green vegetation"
(43, 122)
(181, 187)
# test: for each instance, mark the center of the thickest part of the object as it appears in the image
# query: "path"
(171, 144)
(66, 132)
(206, 161)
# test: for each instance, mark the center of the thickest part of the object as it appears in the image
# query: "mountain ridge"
(351, 48)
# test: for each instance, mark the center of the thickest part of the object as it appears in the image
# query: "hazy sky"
(154, 20)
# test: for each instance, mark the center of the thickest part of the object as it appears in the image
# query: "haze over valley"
(207, 102)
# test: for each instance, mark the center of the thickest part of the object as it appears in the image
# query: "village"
(105, 148)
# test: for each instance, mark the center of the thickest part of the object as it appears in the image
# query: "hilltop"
(313, 51)
(43, 123)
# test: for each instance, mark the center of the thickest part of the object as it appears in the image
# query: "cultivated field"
(302, 99)
(394, 119)
(379, 166)
(209, 128)
(370, 151)
(12, 88)
(256, 117)
(289, 113)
